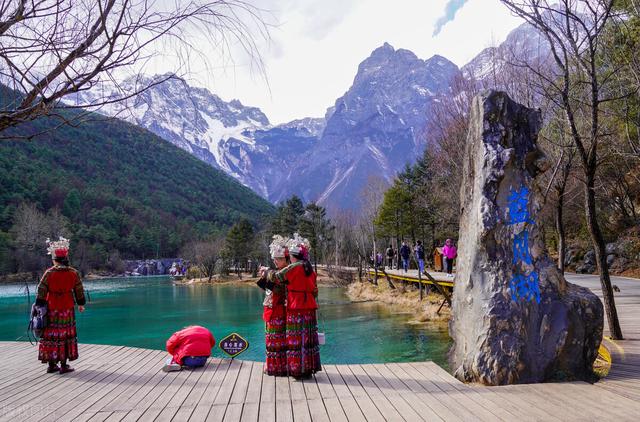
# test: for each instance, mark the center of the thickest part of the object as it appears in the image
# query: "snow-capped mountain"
(376, 127)
(228, 135)
(524, 43)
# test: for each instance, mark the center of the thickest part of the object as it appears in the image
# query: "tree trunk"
(336, 235)
(560, 227)
(433, 237)
(375, 260)
(397, 255)
(561, 238)
(601, 259)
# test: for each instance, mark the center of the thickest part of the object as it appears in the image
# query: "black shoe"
(66, 369)
(52, 369)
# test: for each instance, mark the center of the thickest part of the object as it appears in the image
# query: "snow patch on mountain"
(376, 127)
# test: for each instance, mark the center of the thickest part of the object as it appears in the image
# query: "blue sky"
(315, 47)
(450, 10)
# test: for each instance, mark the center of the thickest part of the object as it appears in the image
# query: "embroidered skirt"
(303, 351)
(275, 340)
(59, 341)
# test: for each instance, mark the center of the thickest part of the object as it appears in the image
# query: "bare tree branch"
(53, 49)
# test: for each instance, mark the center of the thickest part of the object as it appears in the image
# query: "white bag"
(321, 338)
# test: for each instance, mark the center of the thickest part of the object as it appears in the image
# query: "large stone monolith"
(515, 319)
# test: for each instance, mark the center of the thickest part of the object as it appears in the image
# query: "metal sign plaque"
(233, 345)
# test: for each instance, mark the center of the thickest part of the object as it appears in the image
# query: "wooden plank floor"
(117, 383)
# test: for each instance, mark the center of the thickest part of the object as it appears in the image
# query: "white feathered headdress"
(278, 247)
(58, 248)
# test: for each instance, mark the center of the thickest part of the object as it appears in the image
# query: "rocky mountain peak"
(309, 125)
(385, 59)
(523, 42)
(377, 124)
(384, 50)
(438, 60)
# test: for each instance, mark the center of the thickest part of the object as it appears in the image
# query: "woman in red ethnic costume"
(303, 351)
(274, 310)
(58, 287)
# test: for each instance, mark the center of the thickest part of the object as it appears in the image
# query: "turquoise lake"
(144, 312)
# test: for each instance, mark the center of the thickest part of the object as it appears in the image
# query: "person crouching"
(189, 347)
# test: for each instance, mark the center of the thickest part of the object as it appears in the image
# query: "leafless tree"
(30, 230)
(52, 49)
(561, 151)
(205, 255)
(371, 199)
(83, 259)
(346, 247)
(445, 135)
(579, 85)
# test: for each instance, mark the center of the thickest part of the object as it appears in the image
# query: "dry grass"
(220, 279)
(401, 299)
(323, 279)
(335, 277)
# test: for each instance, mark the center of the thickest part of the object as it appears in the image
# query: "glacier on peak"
(376, 126)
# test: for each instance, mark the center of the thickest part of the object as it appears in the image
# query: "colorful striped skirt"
(303, 351)
(59, 341)
(276, 342)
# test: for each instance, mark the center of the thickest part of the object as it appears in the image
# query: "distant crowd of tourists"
(289, 313)
(178, 269)
(402, 257)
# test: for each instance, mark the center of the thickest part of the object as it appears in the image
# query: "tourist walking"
(189, 347)
(390, 255)
(378, 259)
(58, 288)
(449, 252)
(274, 313)
(419, 251)
(405, 253)
(303, 350)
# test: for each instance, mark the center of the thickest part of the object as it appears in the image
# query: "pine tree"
(288, 217)
(316, 227)
(239, 241)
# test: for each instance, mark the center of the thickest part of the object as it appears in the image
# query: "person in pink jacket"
(450, 253)
(189, 347)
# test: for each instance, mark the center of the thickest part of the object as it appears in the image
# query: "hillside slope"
(121, 187)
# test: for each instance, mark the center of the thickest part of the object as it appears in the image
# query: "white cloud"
(478, 25)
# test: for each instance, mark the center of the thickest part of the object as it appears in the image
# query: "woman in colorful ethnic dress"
(274, 310)
(58, 287)
(303, 351)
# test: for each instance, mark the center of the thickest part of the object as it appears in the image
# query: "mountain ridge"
(133, 191)
(378, 123)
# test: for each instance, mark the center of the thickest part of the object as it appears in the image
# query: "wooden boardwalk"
(125, 383)
(412, 276)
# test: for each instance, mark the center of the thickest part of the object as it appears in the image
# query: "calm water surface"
(144, 312)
